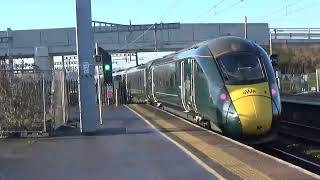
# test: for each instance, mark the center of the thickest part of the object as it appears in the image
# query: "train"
(225, 84)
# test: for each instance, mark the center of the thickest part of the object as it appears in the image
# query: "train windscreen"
(241, 68)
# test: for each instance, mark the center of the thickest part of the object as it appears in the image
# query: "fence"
(31, 101)
(295, 33)
(299, 83)
(59, 102)
(38, 101)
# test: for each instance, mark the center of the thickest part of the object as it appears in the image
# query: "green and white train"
(226, 84)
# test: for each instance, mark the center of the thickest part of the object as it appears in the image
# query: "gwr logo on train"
(249, 91)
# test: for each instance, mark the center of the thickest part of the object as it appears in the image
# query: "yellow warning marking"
(195, 158)
(216, 154)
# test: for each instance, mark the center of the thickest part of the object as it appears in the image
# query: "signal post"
(98, 60)
(106, 70)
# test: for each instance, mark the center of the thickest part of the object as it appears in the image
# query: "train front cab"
(250, 92)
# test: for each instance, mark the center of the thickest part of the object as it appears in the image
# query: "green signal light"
(107, 67)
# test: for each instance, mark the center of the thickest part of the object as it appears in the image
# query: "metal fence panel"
(24, 101)
(32, 101)
(298, 83)
(58, 100)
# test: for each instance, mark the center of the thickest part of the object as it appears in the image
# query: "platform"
(304, 99)
(228, 158)
(125, 148)
(131, 147)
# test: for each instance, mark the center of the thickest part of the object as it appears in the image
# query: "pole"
(270, 43)
(63, 97)
(317, 79)
(9, 52)
(63, 91)
(137, 63)
(155, 37)
(99, 87)
(245, 27)
(44, 103)
(86, 71)
(116, 97)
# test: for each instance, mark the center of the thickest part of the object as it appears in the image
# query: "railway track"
(294, 142)
(300, 131)
(294, 159)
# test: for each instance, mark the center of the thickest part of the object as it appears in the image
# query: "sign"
(86, 68)
(109, 91)
(98, 59)
(116, 84)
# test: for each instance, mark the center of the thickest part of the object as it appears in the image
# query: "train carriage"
(136, 84)
(119, 82)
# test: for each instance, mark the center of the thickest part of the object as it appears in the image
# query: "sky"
(39, 14)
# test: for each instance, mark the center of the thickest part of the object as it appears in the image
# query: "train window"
(199, 69)
(166, 74)
(267, 64)
(241, 68)
(209, 68)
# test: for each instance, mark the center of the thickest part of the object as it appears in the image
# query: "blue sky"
(35, 14)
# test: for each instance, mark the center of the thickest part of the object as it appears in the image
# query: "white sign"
(86, 68)
(109, 91)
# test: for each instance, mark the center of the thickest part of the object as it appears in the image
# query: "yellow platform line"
(216, 154)
(185, 150)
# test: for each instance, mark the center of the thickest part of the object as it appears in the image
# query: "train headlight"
(276, 102)
(223, 96)
(273, 91)
(231, 122)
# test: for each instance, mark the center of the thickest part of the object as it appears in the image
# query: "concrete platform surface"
(125, 148)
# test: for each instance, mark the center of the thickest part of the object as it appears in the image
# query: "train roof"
(141, 66)
(229, 44)
(218, 47)
(121, 72)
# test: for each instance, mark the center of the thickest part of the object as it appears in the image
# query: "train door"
(153, 85)
(187, 84)
(149, 84)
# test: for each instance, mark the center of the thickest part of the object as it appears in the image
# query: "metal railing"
(295, 33)
(104, 27)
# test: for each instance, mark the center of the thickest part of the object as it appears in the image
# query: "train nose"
(255, 114)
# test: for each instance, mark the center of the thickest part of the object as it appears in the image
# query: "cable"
(169, 9)
(228, 7)
(297, 10)
(284, 7)
(301, 9)
(153, 25)
(209, 10)
(273, 13)
(138, 37)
